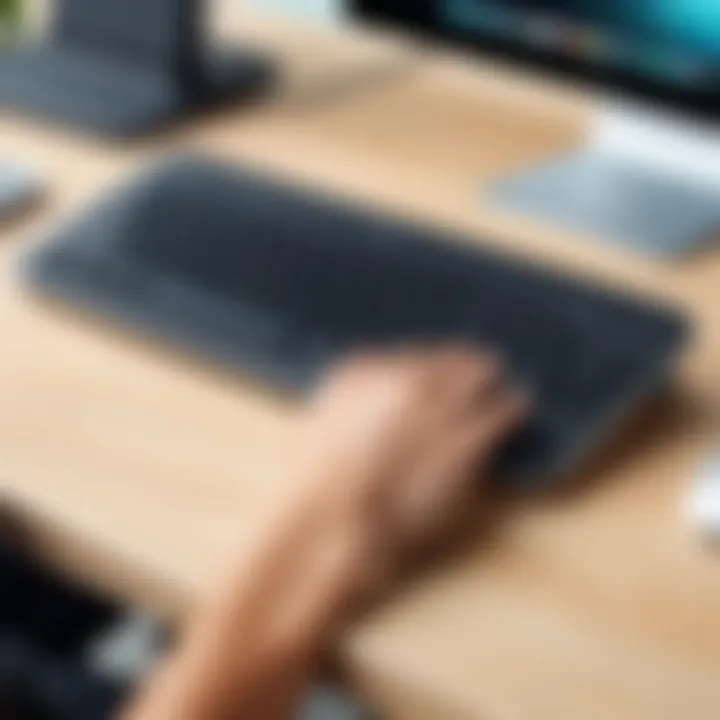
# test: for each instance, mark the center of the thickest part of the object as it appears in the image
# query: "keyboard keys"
(279, 282)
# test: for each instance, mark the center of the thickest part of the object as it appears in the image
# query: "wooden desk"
(138, 469)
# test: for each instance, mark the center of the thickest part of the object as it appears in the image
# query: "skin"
(393, 448)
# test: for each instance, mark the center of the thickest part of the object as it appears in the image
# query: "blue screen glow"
(675, 41)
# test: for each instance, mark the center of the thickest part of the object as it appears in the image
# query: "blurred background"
(580, 152)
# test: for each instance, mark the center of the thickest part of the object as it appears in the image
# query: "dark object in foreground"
(280, 283)
(44, 626)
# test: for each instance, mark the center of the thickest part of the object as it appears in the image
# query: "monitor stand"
(127, 67)
(645, 181)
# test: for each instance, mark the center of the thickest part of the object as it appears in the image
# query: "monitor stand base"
(635, 185)
(113, 97)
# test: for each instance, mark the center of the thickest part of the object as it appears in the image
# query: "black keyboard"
(280, 283)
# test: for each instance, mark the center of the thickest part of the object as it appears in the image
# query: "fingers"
(463, 379)
(435, 370)
(435, 384)
(441, 380)
(478, 438)
(462, 408)
(439, 490)
(472, 440)
(454, 381)
(413, 429)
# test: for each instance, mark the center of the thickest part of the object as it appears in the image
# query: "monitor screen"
(666, 48)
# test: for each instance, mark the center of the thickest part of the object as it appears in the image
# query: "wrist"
(338, 556)
(315, 568)
(343, 529)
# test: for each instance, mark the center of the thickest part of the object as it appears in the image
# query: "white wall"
(321, 10)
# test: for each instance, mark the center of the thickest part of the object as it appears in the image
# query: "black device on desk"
(45, 626)
(280, 283)
(127, 67)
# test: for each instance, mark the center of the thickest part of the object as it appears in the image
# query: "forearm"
(255, 647)
(391, 451)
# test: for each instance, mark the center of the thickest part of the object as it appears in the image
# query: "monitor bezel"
(703, 105)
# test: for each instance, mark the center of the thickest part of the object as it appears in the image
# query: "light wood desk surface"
(139, 469)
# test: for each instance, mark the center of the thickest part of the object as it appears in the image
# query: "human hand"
(393, 447)
(396, 444)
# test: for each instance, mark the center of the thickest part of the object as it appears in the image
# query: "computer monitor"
(649, 174)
